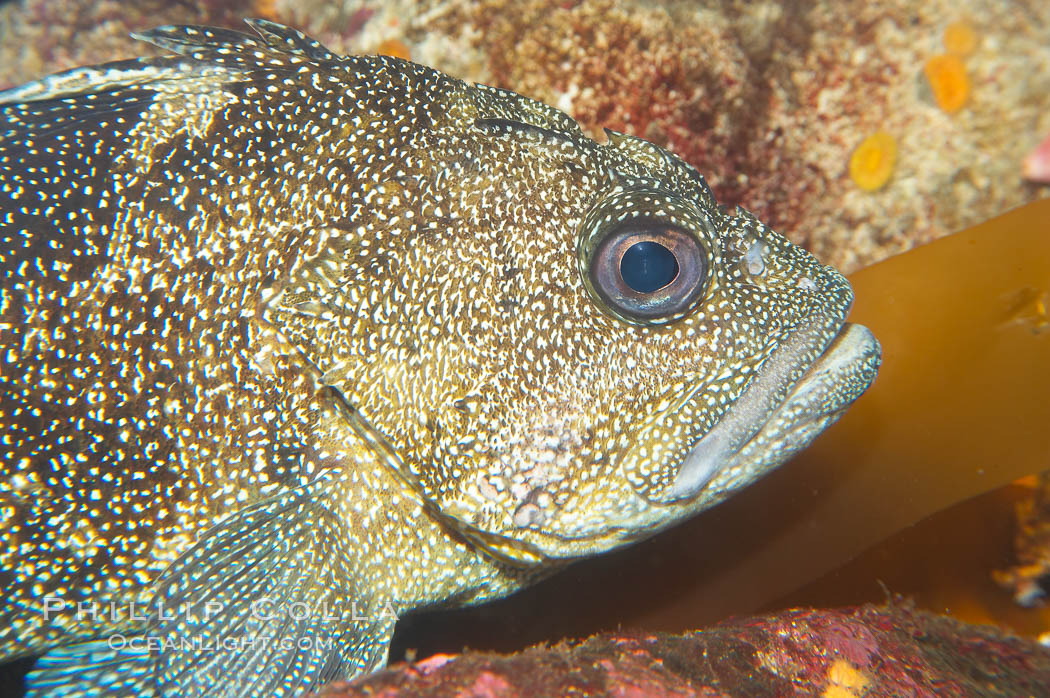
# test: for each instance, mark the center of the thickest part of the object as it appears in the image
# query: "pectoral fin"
(263, 605)
(91, 669)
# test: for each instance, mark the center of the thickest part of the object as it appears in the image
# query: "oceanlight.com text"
(141, 644)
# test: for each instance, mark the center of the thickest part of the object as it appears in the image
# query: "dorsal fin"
(276, 45)
(280, 46)
(291, 40)
(78, 81)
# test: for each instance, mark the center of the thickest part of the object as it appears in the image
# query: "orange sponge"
(872, 162)
(395, 48)
(948, 80)
(960, 38)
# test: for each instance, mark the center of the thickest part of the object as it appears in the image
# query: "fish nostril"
(755, 258)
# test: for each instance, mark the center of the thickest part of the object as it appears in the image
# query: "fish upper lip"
(853, 347)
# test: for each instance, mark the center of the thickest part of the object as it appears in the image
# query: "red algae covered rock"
(866, 651)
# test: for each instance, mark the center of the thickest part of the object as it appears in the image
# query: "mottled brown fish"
(293, 343)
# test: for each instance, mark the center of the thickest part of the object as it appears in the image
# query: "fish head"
(569, 345)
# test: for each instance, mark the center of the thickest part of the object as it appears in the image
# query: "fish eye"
(649, 270)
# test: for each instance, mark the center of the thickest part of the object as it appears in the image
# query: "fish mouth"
(781, 411)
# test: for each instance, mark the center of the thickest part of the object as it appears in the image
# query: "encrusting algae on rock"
(295, 343)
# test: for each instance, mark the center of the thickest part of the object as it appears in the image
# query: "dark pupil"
(648, 266)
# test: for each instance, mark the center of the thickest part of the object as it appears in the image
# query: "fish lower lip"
(854, 350)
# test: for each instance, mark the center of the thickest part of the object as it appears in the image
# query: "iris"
(648, 270)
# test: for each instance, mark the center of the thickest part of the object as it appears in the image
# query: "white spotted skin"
(204, 254)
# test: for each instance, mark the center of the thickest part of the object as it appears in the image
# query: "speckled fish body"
(292, 343)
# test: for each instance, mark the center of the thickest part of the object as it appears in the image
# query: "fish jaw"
(754, 434)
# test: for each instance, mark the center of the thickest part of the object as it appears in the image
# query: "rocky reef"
(849, 653)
